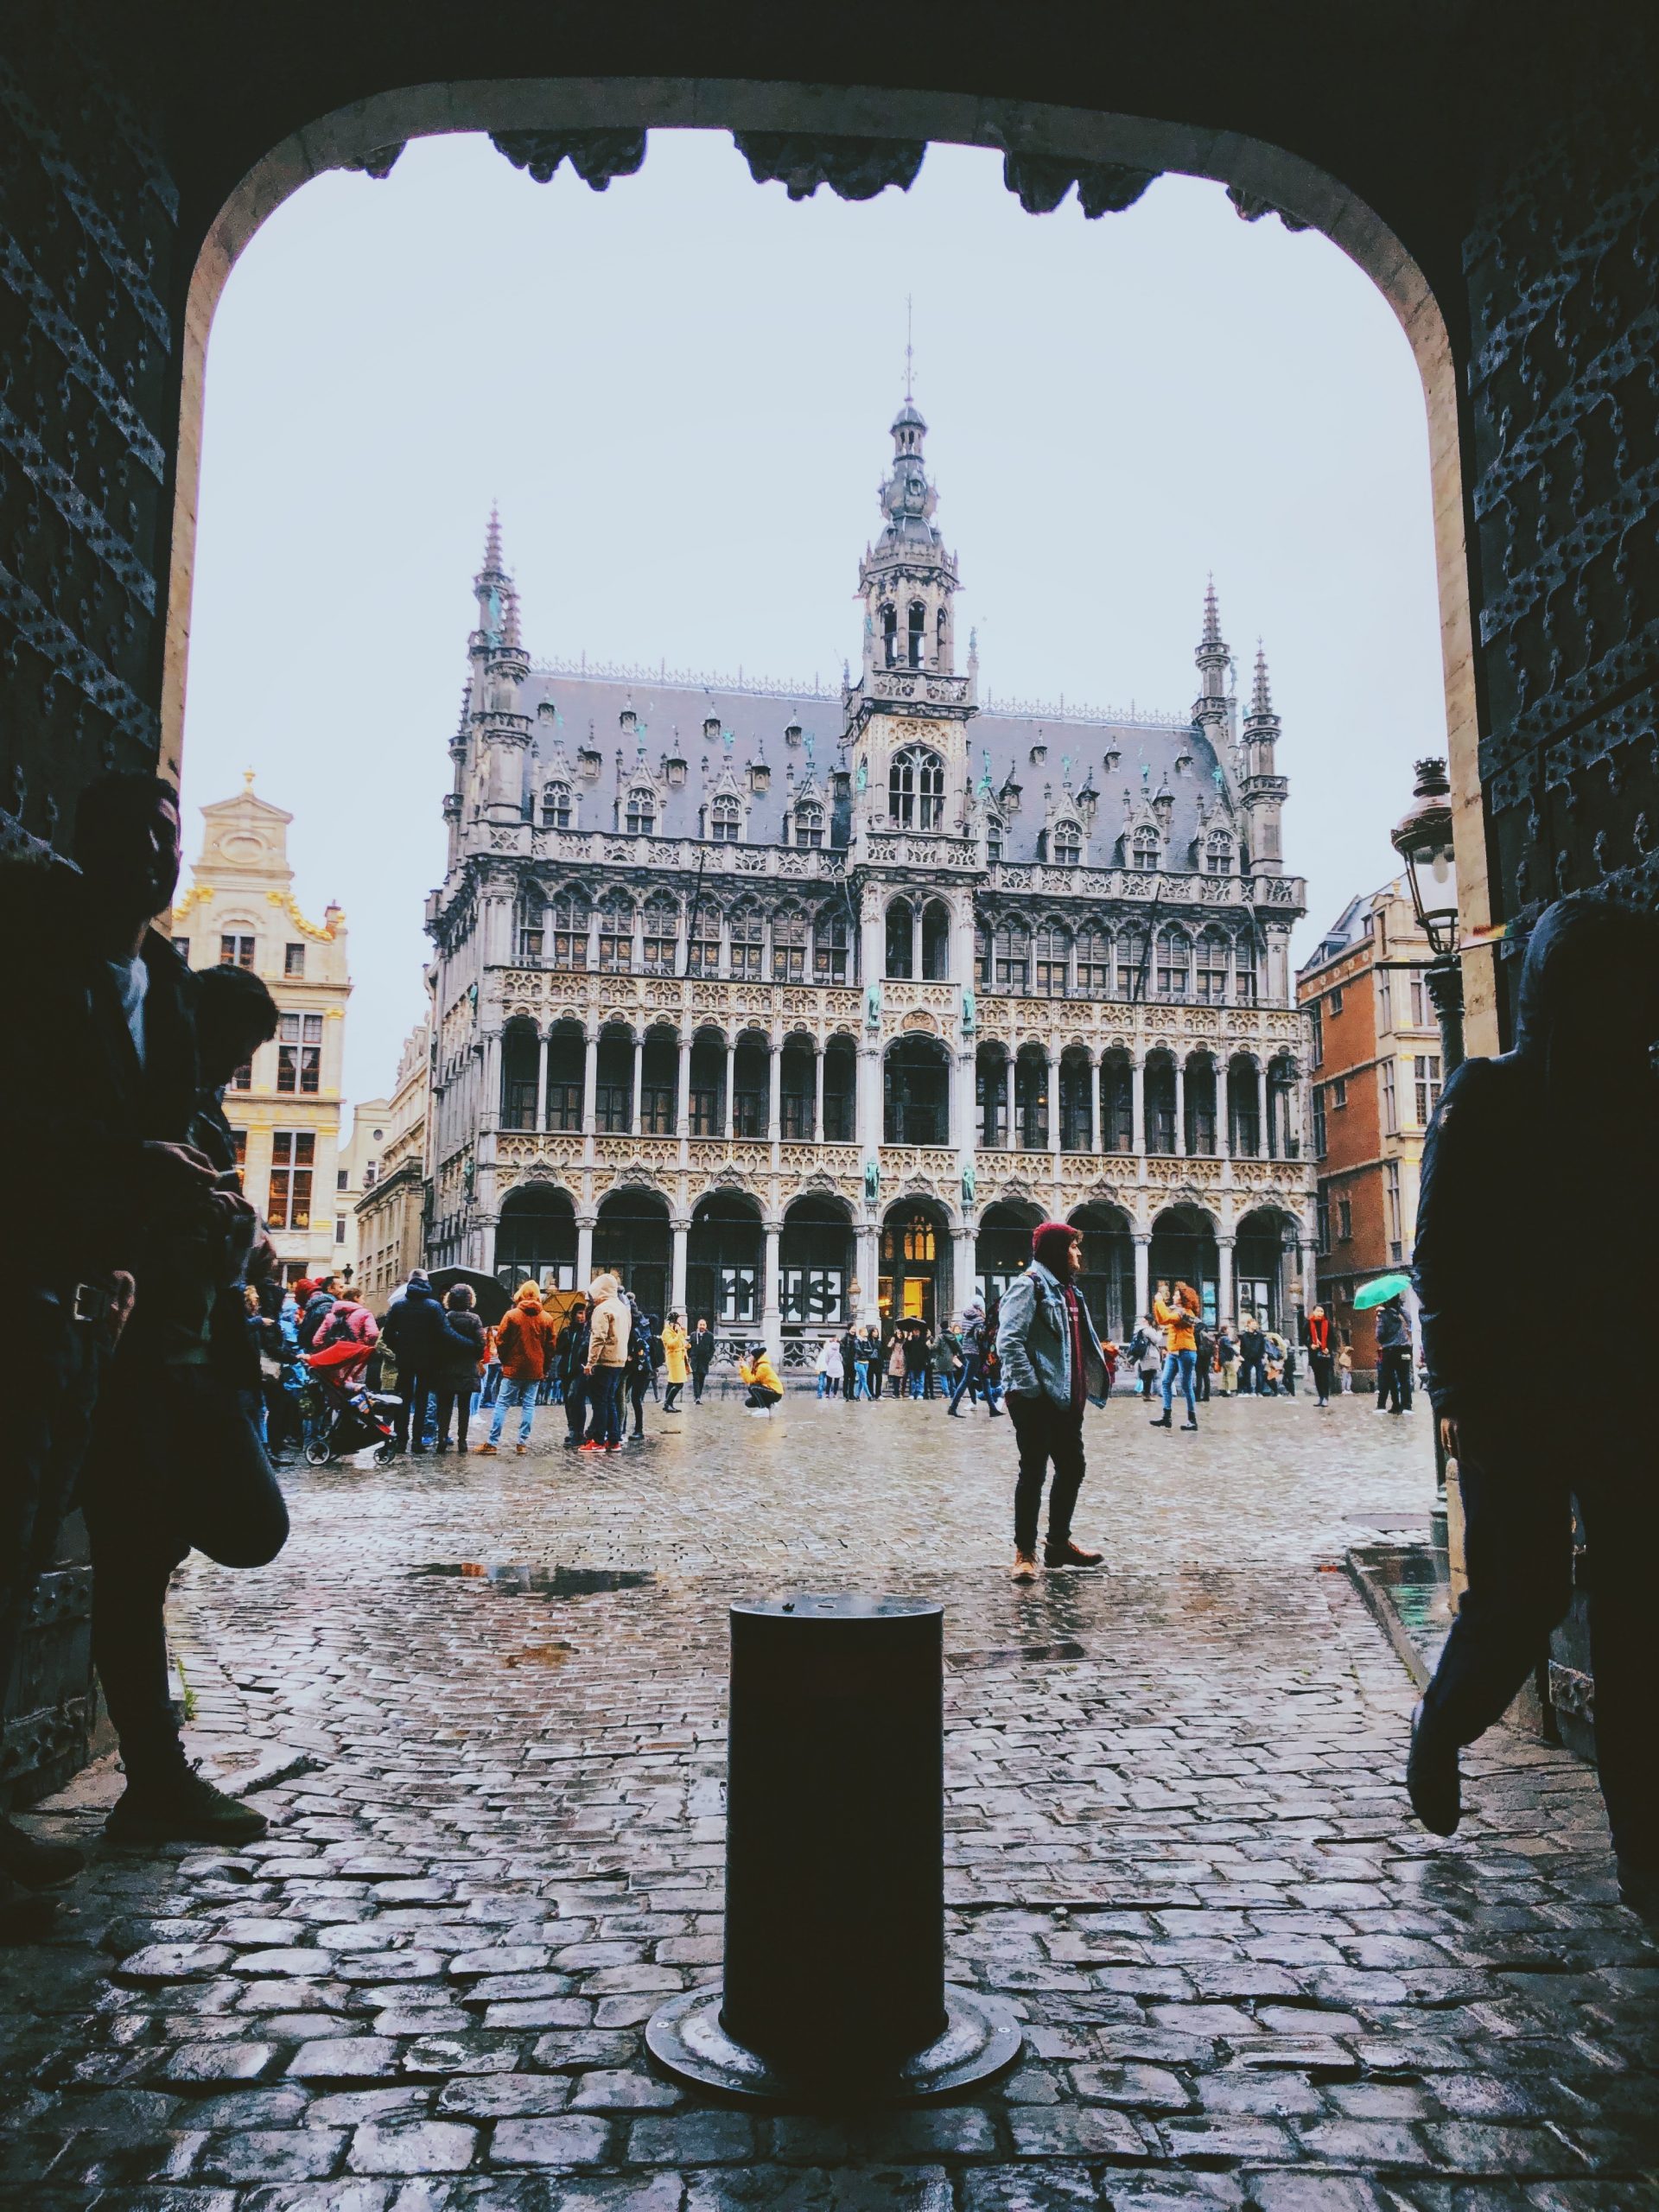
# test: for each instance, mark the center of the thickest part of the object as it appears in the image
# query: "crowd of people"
(166, 1360)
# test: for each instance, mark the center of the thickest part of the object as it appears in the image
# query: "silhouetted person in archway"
(1053, 1367)
(1514, 1192)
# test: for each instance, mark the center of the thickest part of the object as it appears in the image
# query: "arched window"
(939, 630)
(1010, 954)
(662, 931)
(1244, 970)
(748, 937)
(917, 631)
(829, 945)
(1067, 845)
(570, 930)
(994, 836)
(1174, 964)
(808, 822)
(726, 820)
(1052, 949)
(532, 930)
(1131, 964)
(1094, 962)
(616, 934)
(1219, 853)
(641, 820)
(1143, 848)
(789, 946)
(555, 807)
(916, 788)
(703, 953)
(1211, 973)
(890, 634)
(899, 939)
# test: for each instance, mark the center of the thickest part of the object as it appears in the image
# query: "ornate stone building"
(285, 1106)
(804, 1004)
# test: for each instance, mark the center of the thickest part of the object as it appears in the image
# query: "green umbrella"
(1380, 1291)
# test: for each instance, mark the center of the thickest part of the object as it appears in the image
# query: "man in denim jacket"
(1052, 1366)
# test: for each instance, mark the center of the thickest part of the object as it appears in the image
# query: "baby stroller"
(347, 1418)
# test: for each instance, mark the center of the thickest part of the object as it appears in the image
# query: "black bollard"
(835, 1986)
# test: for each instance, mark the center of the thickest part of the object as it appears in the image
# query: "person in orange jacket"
(1178, 1317)
(523, 1345)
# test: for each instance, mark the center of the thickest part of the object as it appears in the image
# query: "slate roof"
(1153, 754)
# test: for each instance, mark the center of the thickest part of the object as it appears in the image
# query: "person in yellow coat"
(760, 1377)
(678, 1366)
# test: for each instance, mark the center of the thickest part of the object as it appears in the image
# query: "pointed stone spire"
(1211, 613)
(509, 633)
(1260, 701)
(493, 544)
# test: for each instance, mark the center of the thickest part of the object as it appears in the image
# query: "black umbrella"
(489, 1298)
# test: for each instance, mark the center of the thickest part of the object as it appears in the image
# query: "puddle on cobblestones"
(543, 1581)
(1014, 1656)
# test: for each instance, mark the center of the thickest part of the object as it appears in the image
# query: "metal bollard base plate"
(983, 2038)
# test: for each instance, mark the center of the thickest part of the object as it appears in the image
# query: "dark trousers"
(1394, 1378)
(637, 1386)
(672, 1396)
(174, 1465)
(1046, 1432)
(460, 1403)
(409, 1422)
(1201, 1378)
(1319, 1362)
(1517, 1490)
(605, 1400)
(699, 1376)
(64, 1362)
(1252, 1377)
(575, 1405)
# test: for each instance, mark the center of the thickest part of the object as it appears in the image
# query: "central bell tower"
(909, 700)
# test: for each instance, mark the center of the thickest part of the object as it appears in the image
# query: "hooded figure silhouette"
(1521, 1198)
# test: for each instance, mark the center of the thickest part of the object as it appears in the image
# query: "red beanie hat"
(1049, 1243)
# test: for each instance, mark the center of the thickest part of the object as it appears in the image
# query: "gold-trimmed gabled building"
(285, 1106)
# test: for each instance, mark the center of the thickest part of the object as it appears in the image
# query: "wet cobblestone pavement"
(1176, 1839)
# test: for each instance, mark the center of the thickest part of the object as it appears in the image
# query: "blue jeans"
(1184, 1363)
(971, 1379)
(522, 1395)
(604, 1398)
(916, 1385)
(491, 1389)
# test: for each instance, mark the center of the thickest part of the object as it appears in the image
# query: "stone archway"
(915, 1281)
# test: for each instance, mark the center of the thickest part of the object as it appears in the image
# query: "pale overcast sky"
(679, 391)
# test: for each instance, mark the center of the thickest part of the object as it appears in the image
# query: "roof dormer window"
(555, 807)
(1067, 844)
(711, 729)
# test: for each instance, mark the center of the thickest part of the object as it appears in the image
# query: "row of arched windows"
(722, 818)
(666, 935)
(1051, 959)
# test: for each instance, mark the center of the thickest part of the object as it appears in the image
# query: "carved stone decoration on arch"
(1040, 181)
(643, 1174)
(854, 168)
(596, 155)
(918, 1020)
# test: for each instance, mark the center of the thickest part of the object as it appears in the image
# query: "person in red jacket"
(1319, 1351)
(523, 1344)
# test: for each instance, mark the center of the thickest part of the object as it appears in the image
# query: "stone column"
(584, 1250)
(1094, 1102)
(489, 1082)
(1263, 1146)
(916, 941)
(541, 1081)
(1225, 1286)
(637, 1116)
(961, 1288)
(679, 1232)
(775, 1097)
(869, 1273)
(730, 1115)
(1180, 1104)
(1224, 1109)
(590, 1084)
(682, 1091)
(1010, 1142)
(867, 1120)
(817, 1093)
(1142, 1273)
(871, 944)
(772, 1325)
(1053, 1079)
(1138, 1099)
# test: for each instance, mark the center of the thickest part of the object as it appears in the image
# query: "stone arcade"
(802, 1006)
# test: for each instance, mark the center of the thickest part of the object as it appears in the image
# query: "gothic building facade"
(802, 1006)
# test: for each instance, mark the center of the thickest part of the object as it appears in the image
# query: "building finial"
(492, 542)
(1211, 613)
(1261, 701)
(247, 779)
(510, 631)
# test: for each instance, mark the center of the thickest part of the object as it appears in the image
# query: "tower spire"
(1211, 613)
(493, 544)
(1261, 699)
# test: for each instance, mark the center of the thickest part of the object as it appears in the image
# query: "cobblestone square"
(483, 1701)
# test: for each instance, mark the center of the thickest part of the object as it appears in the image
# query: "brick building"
(1376, 1078)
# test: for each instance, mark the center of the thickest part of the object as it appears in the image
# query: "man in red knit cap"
(1052, 1366)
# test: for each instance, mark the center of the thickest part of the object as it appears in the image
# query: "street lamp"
(1422, 838)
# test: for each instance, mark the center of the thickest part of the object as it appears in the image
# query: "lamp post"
(1422, 838)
